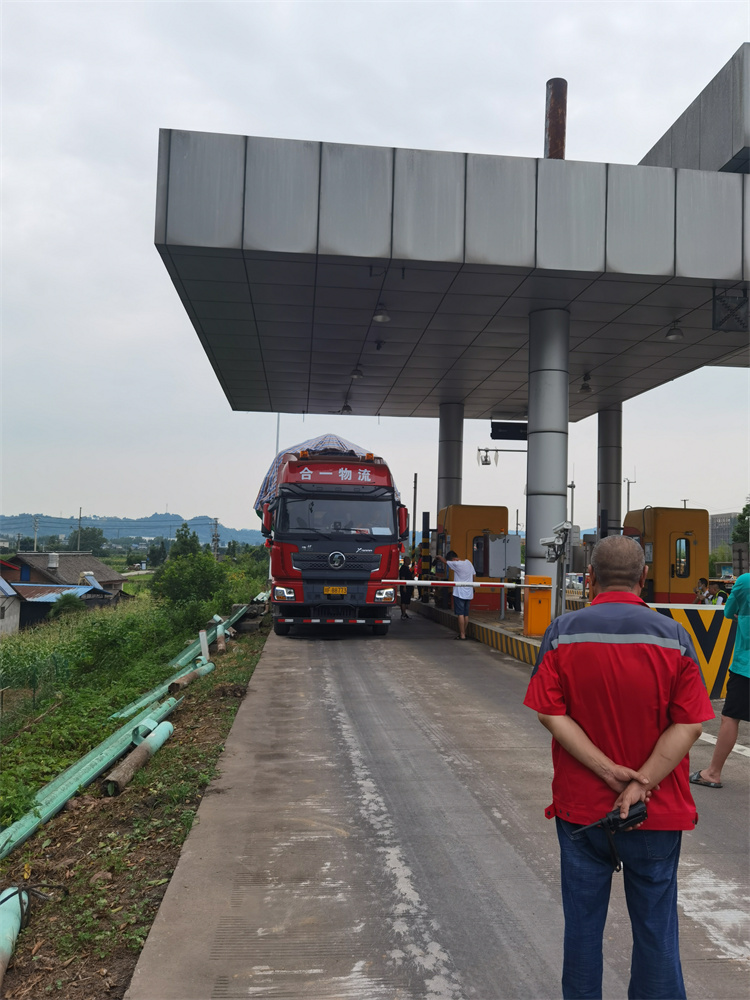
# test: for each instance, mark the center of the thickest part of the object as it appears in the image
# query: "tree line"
(154, 552)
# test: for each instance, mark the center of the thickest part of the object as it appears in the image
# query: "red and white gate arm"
(450, 583)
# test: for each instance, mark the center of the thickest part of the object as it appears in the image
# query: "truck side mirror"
(266, 529)
(403, 522)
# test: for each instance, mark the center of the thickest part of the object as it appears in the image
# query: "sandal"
(696, 779)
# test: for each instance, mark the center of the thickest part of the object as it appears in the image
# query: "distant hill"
(164, 525)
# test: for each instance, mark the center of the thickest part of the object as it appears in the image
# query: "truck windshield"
(329, 515)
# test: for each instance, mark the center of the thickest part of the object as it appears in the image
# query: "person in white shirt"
(463, 574)
(701, 590)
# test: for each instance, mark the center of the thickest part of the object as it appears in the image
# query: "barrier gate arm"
(450, 583)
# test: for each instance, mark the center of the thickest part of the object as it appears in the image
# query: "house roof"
(70, 567)
(48, 593)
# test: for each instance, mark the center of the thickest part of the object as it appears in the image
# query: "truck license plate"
(334, 590)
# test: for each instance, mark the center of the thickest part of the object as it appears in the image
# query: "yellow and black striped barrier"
(520, 648)
(713, 638)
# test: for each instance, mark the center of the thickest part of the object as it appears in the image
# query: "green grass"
(88, 666)
(138, 584)
(120, 860)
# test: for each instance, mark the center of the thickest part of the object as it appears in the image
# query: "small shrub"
(67, 604)
(189, 578)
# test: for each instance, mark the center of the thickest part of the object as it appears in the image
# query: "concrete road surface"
(377, 831)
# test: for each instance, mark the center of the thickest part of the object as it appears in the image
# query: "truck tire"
(380, 629)
(281, 628)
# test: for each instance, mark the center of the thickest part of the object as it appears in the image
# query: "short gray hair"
(618, 561)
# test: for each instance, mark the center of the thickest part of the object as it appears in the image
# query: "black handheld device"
(613, 823)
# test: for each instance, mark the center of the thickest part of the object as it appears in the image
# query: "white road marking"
(737, 748)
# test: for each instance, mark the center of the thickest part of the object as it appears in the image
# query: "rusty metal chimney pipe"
(555, 119)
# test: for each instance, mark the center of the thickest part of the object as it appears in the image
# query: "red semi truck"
(335, 528)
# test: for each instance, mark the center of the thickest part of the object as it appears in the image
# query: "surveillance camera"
(563, 526)
(549, 541)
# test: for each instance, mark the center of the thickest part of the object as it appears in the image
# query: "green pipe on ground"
(14, 903)
(63, 780)
(185, 662)
(122, 775)
(159, 737)
(154, 695)
(176, 686)
(50, 799)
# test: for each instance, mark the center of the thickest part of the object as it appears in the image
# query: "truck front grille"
(318, 561)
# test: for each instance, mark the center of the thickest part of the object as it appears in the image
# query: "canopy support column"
(547, 458)
(450, 454)
(609, 471)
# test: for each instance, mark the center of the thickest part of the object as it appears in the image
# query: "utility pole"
(627, 494)
(569, 540)
(79, 529)
(684, 503)
(629, 482)
(414, 521)
(215, 539)
(572, 488)
(36, 529)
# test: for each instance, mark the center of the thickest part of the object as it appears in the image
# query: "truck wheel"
(281, 628)
(380, 629)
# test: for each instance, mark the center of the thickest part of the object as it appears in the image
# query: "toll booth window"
(441, 546)
(477, 555)
(682, 557)
(648, 551)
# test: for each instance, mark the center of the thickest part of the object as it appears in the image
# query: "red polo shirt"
(624, 673)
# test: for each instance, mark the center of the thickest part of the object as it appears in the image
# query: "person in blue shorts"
(737, 702)
(463, 577)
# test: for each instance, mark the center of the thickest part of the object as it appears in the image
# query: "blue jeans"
(649, 860)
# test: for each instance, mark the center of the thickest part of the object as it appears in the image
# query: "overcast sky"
(109, 402)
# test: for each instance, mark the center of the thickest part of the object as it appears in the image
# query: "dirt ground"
(105, 863)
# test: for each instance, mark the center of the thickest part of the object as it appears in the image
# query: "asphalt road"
(378, 832)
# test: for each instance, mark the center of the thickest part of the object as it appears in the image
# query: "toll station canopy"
(330, 278)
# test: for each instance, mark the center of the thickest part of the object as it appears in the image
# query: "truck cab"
(335, 529)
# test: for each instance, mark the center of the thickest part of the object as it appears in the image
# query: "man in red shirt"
(619, 688)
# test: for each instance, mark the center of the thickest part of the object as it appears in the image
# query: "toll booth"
(675, 543)
(478, 533)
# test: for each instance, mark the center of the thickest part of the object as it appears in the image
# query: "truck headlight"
(385, 595)
(283, 593)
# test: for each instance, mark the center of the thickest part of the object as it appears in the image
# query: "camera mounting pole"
(556, 546)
